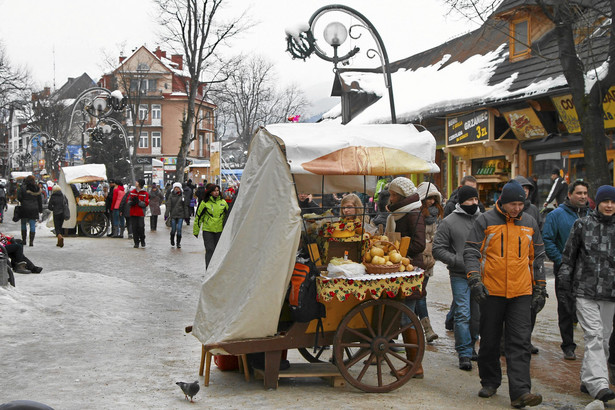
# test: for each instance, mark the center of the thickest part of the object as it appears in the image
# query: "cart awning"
(85, 173)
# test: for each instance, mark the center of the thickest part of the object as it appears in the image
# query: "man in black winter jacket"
(468, 180)
(559, 190)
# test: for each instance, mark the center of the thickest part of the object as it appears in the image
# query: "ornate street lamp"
(20, 156)
(108, 127)
(51, 147)
(303, 44)
(100, 103)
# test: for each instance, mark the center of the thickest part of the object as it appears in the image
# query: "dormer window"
(519, 39)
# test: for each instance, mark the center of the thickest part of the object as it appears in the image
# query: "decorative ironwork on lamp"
(302, 43)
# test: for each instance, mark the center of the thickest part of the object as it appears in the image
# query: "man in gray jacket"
(448, 247)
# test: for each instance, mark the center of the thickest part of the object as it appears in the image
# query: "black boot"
(24, 235)
(172, 240)
(32, 234)
(179, 241)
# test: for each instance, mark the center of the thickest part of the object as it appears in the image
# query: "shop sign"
(525, 124)
(568, 114)
(214, 158)
(467, 128)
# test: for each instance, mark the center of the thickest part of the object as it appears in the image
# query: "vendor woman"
(406, 218)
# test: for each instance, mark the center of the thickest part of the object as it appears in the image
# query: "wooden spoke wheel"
(370, 330)
(324, 354)
(94, 224)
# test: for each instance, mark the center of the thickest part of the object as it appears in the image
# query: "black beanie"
(466, 192)
(605, 192)
(555, 172)
(512, 192)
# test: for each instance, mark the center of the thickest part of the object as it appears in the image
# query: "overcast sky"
(57, 39)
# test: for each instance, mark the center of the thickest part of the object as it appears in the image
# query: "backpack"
(302, 293)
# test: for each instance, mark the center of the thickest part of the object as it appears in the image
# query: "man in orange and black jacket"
(504, 256)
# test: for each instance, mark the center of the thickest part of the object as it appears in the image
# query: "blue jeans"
(176, 226)
(118, 221)
(411, 303)
(421, 304)
(25, 222)
(465, 336)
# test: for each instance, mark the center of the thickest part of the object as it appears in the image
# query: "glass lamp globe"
(335, 34)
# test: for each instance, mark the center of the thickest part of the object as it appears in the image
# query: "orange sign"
(568, 114)
(525, 124)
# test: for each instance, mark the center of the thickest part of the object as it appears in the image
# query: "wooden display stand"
(326, 371)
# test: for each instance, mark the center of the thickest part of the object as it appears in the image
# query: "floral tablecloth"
(373, 285)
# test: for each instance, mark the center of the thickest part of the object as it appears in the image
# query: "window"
(192, 143)
(151, 84)
(519, 38)
(155, 111)
(129, 113)
(131, 140)
(156, 139)
(143, 140)
(142, 111)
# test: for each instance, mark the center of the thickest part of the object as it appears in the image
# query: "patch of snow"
(296, 29)
(596, 75)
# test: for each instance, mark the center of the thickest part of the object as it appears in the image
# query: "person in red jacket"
(138, 200)
(116, 210)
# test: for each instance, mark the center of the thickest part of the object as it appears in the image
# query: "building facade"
(155, 86)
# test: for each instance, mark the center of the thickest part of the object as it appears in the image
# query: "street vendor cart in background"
(87, 212)
(243, 293)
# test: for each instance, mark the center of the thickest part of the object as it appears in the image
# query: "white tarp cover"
(78, 173)
(244, 286)
(85, 173)
(351, 157)
(20, 174)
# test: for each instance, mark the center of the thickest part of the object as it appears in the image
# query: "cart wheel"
(324, 354)
(370, 329)
(94, 224)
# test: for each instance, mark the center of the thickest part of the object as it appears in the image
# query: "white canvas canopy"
(78, 174)
(244, 287)
(20, 174)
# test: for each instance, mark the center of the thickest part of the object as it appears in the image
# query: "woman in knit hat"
(406, 218)
(587, 273)
(432, 212)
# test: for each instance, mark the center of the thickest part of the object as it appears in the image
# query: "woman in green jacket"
(210, 218)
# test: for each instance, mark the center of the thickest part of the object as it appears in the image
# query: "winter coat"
(559, 191)
(412, 225)
(56, 203)
(450, 240)
(31, 200)
(588, 260)
(210, 215)
(118, 195)
(109, 199)
(507, 252)
(155, 199)
(453, 200)
(177, 207)
(124, 206)
(138, 201)
(556, 229)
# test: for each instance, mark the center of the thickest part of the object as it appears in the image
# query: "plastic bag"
(347, 270)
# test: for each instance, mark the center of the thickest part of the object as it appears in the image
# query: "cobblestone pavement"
(102, 327)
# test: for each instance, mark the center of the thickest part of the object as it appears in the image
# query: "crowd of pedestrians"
(495, 259)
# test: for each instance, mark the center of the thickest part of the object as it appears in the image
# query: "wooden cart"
(360, 332)
(92, 219)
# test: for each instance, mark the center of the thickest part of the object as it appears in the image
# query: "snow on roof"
(441, 88)
(433, 88)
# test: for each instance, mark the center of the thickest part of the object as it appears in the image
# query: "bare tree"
(197, 28)
(250, 97)
(574, 20)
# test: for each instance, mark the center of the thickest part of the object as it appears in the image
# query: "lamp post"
(21, 156)
(100, 103)
(108, 127)
(51, 147)
(303, 44)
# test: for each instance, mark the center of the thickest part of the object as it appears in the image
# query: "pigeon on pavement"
(189, 389)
